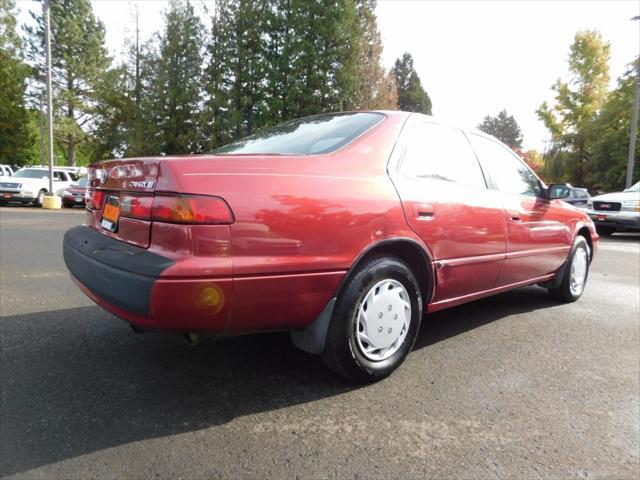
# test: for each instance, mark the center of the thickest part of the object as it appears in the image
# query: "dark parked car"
(578, 197)
(340, 228)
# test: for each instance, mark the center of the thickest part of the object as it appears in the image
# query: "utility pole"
(47, 41)
(42, 125)
(634, 123)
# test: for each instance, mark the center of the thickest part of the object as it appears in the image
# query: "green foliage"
(570, 119)
(611, 131)
(504, 127)
(411, 96)
(79, 62)
(16, 134)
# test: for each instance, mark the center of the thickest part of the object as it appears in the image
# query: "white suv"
(29, 185)
(616, 210)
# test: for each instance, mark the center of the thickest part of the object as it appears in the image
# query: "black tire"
(605, 231)
(40, 198)
(67, 205)
(341, 352)
(564, 291)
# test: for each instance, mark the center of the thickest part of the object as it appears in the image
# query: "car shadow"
(621, 237)
(77, 381)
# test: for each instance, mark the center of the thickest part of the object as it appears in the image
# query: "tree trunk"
(71, 153)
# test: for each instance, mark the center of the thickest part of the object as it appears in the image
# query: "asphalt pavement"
(513, 386)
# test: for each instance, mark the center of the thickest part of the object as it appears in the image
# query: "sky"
(474, 57)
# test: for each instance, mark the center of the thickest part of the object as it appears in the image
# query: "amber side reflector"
(191, 209)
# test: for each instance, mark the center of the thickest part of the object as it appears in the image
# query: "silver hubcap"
(579, 271)
(383, 320)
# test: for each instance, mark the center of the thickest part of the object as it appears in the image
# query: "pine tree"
(504, 127)
(79, 63)
(16, 136)
(375, 90)
(177, 83)
(411, 96)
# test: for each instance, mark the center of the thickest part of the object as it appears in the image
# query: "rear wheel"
(606, 231)
(375, 321)
(575, 274)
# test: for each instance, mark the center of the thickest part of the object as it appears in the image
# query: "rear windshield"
(310, 135)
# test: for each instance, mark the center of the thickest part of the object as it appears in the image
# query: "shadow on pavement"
(77, 381)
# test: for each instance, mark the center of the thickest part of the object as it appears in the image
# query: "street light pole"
(634, 123)
(47, 40)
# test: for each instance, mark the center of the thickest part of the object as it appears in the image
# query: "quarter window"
(441, 153)
(509, 173)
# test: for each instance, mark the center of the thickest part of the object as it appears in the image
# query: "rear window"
(304, 136)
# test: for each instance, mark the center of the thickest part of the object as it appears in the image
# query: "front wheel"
(575, 273)
(375, 321)
(39, 199)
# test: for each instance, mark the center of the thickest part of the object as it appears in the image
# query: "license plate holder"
(111, 214)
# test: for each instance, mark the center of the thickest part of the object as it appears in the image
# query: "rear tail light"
(191, 209)
(93, 199)
(136, 206)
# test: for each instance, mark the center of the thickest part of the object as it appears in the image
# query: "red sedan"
(74, 195)
(340, 228)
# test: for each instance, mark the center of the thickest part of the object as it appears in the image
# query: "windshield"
(311, 135)
(83, 182)
(634, 188)
(31, 173)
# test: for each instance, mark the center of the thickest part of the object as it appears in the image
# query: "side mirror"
(558, 190)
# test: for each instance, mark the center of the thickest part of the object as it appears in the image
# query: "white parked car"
(29, 185)
(619, 210)
(6, 171)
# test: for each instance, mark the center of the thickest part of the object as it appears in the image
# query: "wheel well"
(584, 231)
(412, 254)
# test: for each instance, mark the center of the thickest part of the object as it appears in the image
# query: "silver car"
(613, 211)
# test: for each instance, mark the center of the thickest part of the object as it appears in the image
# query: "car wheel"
(606, 231)
(67, 205)
(375, 321)
(575, 273)
(39, 199)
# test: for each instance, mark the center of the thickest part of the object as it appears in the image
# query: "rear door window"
(439, 152)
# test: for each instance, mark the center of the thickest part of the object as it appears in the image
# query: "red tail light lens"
(93, 199)
(191, 209)
(136, 206)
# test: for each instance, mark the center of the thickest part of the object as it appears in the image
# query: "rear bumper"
(120, 274)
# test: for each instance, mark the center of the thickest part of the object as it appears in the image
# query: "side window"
(580, 194)
(59, 176)
(510, 174)
(441, 153)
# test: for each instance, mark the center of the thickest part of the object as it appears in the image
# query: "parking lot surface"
(513, 386)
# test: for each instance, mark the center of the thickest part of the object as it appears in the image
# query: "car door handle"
(514, 216)
(423, 211)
